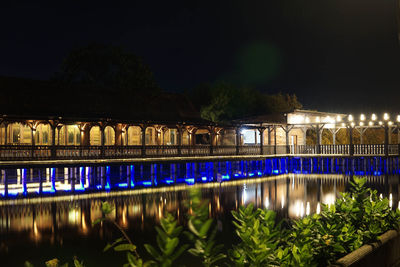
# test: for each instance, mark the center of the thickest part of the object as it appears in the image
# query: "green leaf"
(106, 208)
(52, 263)
(131, 259)
(161, 233)
(171, 245)
(204, 229)
(125, 247)
(153, 252)
(77, 263)
(192, 228)
(179, 251)
(108, 246)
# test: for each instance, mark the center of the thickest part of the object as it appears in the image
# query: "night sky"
(335, 55)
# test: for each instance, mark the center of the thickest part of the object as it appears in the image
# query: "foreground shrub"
(357, 218)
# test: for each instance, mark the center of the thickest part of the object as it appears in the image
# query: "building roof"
(275, 118)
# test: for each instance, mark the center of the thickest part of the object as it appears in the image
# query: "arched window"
(170, 137)
(19, 134)
(2, 134)
(150, 136)
(134, 136)
(68, 135)
(185, 138)
(95, 136)
(109, 136)
(43, 134)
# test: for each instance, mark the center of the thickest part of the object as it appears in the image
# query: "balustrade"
(28, 152)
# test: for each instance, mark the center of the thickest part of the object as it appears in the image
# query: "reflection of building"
(289, 195)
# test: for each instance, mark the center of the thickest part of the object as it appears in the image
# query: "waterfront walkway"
(20, 153)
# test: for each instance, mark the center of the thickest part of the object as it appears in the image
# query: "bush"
(357, 218)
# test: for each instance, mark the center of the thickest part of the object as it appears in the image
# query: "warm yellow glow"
(352, 124)
(302, 209)
(362, 117)
(308, 208)
(361, 123)
(266, 203)
(299, 208)
(350, 118)
(138, 192)
(329, 199)
(328, 119)
(318, 119)
(386, 116)
(370, 123)
(318, 208)
(398, 118)
(307, 120)
(84, 226)
(295, 119)
(390, 123)
(380, 123)
(343, 124)
(338, 118)
(373, 117)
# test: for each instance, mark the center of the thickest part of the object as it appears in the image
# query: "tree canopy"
(107, 67)
(223, 102)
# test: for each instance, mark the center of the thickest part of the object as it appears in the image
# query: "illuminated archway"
(68, 135)
(19, 133)
(150, 137)
(43, 134)
(95, 136)
(134, 136)
(109, 136)
(170, 137)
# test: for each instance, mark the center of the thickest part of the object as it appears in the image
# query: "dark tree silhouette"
(107, 67)
(222, 102)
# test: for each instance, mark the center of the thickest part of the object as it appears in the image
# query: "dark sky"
(336, 55)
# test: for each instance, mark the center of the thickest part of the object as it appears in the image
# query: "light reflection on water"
(51, 181)
(290, 195)
(47, 211)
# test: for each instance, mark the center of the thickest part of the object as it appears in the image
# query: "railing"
(249, 150)
(335, 149)
(369, 149)
(28, 152)
(224, 150)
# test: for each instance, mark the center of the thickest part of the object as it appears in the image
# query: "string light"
(350, 117)
(386, 117)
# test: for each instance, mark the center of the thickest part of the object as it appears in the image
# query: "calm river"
(48, 212)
